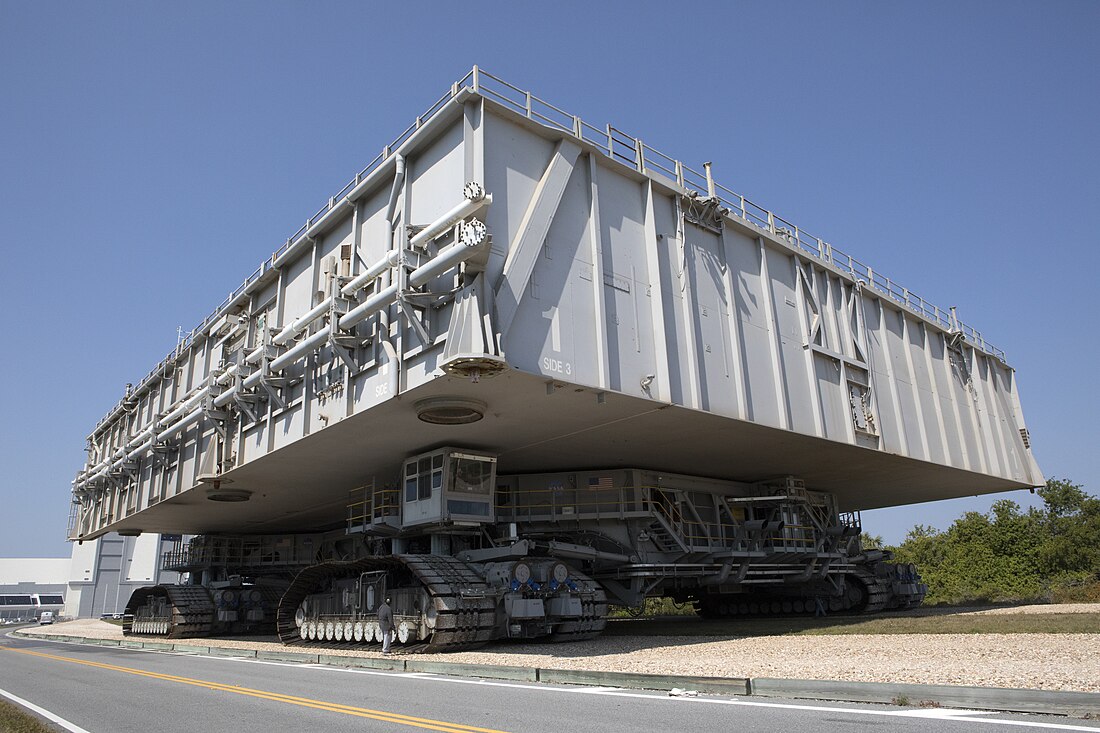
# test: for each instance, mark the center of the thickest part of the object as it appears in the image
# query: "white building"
(98, 579)
(30, 585)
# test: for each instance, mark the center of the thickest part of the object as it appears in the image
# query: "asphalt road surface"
(112, 690)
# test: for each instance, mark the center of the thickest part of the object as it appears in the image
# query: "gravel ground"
(1036, 661)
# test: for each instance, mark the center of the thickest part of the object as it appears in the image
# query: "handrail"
(631, 152)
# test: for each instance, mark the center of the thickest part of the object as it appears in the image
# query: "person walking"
(385, 622)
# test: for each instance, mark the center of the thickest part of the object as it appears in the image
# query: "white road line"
(73, 727)
(947, 715)
(960, 715)
(941, 712)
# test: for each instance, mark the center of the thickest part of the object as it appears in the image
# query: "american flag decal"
(602, 482)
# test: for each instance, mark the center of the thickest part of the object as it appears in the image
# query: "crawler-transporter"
(522, 369)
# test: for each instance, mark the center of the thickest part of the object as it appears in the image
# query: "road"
(113, 690)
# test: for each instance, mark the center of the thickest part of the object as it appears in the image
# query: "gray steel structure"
(557, 299)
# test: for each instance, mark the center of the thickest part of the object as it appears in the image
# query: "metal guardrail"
(626, 150)
(377, 505)
(697, 532)
(235, 553)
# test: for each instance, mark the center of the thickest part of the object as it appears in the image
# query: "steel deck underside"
(305, 485)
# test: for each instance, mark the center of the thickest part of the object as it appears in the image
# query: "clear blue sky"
(154, 153)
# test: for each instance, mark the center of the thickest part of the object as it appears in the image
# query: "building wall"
(27, 576)
(102, 573)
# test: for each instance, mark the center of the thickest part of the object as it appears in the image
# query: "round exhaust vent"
(219, 493)
(450, 410)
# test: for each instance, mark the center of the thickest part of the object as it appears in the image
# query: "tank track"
(186, 611)
(464, 608)
(875, 594)
(869, 589)
(593, 618)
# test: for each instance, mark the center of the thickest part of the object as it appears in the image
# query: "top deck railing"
(626, 150)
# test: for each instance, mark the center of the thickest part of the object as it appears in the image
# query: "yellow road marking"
(426, 723)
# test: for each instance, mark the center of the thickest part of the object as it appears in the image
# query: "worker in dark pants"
(385, 622)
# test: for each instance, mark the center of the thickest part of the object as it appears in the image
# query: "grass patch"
(1046, 623)
(14, 719)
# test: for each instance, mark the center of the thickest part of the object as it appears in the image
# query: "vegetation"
(1008, 555)
(13, 719)
(654, 607)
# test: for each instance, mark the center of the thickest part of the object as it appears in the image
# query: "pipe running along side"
(145, 440)
(450, 257)
(447, 258)
(392, 257)
(392, 253)
(476, 199)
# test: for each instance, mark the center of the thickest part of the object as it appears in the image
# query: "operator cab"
(449, 486)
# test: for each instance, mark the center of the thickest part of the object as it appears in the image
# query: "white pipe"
(298, 325)
(186, 406)
(370, 273)
(227, 377)
(292, 355)
(139, 450)
(391, 257)
(255, 356)
(225, 397)
(391, 365)
(368, 307)
(448, 220)
(398, 182)
(446, 259)
(180, 425)
(137, 445)
(449, 257)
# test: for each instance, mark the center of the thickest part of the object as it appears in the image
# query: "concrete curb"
(387, 665)
(221, 651)
(642, 681)
(1055, 702)
(487, 671)
(1051, 702)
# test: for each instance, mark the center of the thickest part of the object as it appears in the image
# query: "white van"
(46, 617)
